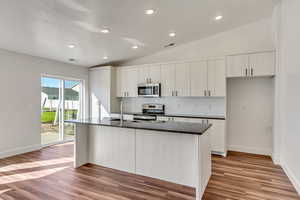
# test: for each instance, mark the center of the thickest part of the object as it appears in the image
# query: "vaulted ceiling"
(46, 28)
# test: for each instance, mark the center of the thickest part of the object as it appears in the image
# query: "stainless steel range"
(150, 112)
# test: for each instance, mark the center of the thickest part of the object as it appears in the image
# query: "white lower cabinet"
(217, 133)
(218, 137)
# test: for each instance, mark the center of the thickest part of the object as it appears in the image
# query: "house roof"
(53, 93)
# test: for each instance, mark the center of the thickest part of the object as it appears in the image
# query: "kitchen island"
(177, 152)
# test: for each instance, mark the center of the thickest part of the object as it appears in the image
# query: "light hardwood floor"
(48, 174)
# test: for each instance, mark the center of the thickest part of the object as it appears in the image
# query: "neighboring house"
(50, 98)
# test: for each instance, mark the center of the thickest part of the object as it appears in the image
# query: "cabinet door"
(198, 78)
(167, 79)
(216, 81)
(237, 65)
(182, 80)
(154, 73)
(131, 81)
(143, 74)
(218, 136)
(262, 64)
(120, 81)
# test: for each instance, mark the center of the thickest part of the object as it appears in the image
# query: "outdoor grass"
(49, 116)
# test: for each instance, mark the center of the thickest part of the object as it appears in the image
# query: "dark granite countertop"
(217, 117)
(169, 126)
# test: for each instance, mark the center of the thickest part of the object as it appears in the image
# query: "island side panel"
(167, 156)
(112, 147)
(204, 163)
(81, 145)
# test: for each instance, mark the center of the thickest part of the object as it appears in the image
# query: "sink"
(118, 119)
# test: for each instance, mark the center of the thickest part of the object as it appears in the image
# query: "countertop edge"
(142, 128)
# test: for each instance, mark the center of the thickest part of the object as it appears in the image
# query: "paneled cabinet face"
(198, 76)
(208, 78)
(237, 66)
(127, 81)
(182, 80)
(216, 78)
(218, 136)
(262, 64)
(149, 74)
(251, 65)
(168, 80)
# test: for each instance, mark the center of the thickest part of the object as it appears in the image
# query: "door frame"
(62, 80)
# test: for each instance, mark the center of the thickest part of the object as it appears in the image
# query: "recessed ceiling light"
(218, 17)
(105, 58)
(135, 47)
(105, 30)
(72, 59)
(172, 34)
(150, 12)
(71, 46)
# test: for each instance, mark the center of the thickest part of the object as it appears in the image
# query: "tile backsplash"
(180, 105)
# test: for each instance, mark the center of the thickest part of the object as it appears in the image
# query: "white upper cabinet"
(182, 80)
(251, 65)
(168, 79)
(154, 73)
(208, 78)
(216, 81)
(149, 74)
(127, 79)
(175, 79)
(198, 78)
(262, 64)
(237, 66)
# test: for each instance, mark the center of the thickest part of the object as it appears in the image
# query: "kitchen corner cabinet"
(175, 80)
(251, 65)
(208, 78)
(127, 79)
(149, 74)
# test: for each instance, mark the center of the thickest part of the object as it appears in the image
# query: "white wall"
(288, 89)
(248, 38)
(20, 86)
(250, 114)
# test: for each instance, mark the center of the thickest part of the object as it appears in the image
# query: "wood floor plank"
(48, 174)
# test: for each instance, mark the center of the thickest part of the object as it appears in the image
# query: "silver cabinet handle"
(205, 93)
(251, 71)
(246, 71)
(150, 81)
(176, 93)
(209, 93)
(172, 93)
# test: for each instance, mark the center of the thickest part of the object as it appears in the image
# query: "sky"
(52, 82)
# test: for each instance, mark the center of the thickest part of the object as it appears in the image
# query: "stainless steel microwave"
(149, 90)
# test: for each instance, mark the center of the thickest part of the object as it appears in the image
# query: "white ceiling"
(45, 27)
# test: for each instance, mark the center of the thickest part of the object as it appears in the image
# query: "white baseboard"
(20, 150)
(261, 151)
(291, 176)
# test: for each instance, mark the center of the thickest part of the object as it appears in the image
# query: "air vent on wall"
(169, 45)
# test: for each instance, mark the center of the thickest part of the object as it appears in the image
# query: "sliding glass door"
(60, 100)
